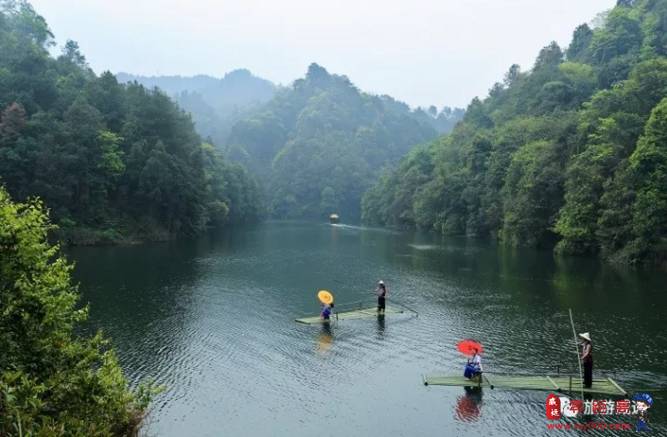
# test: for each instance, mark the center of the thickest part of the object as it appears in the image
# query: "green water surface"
(212, 319)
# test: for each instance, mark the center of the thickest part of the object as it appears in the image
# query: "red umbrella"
(468, 347)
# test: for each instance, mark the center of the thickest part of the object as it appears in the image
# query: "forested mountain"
(572, 153)
(110, 161)
(215, 104)
(319, 144)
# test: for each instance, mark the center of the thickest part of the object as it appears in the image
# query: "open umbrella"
(325, 297)
(468, 347)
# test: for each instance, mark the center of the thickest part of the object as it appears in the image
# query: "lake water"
(212, 319)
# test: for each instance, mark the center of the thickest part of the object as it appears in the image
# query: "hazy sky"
(424, 52)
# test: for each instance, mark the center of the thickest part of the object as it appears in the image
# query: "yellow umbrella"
(325, 297)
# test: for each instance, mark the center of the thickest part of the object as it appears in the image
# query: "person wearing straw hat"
(587, 358)
(381, 292)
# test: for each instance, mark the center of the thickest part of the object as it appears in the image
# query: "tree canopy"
(111, 161)
(569, 154)
(215, 104)
(319, 144)
(52, 381)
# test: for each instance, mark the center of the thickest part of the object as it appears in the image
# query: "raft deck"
(362, 313)
(549, 383)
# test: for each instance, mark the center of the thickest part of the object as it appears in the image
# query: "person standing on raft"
(587, 358)
(381, 292)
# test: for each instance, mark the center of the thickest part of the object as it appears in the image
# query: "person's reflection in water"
(469, 405)
(325, 338)
(381, 325)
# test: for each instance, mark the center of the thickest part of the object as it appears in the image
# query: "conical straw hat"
(586, 336)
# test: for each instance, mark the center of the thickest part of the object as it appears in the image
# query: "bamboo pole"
(576, 347)
(618, 387)
(406, 307)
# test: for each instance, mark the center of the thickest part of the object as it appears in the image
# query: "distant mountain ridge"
(215, 103)
(318, 144)
(322, 121)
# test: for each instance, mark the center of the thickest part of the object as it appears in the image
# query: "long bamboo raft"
(571, 384)
(361, 313)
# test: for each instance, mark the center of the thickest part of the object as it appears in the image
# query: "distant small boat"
(333, 218)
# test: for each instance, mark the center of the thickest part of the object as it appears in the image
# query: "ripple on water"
(221, 337)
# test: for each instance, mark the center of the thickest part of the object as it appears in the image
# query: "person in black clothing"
(381, 292)
(587, 358)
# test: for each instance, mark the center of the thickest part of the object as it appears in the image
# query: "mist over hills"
(341, 136)
(215, 103)
(320, 143)
(569, 154)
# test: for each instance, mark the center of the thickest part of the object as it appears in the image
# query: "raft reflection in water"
(325, 338)
(381, 326)
(469, 405)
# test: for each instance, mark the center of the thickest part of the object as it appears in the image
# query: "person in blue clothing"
(326, 312)
(643, 401)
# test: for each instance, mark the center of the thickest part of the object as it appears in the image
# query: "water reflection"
(156, 287)
(469, 405)
(380, 326)
(325, 338)
(213, 320)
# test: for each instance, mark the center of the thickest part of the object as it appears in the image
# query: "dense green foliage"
(215, 104)
(570, 154)
(319, 144)
(52, 382)
(111, 161)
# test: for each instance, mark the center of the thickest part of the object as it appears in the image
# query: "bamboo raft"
(362, 313)
(569, 384)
